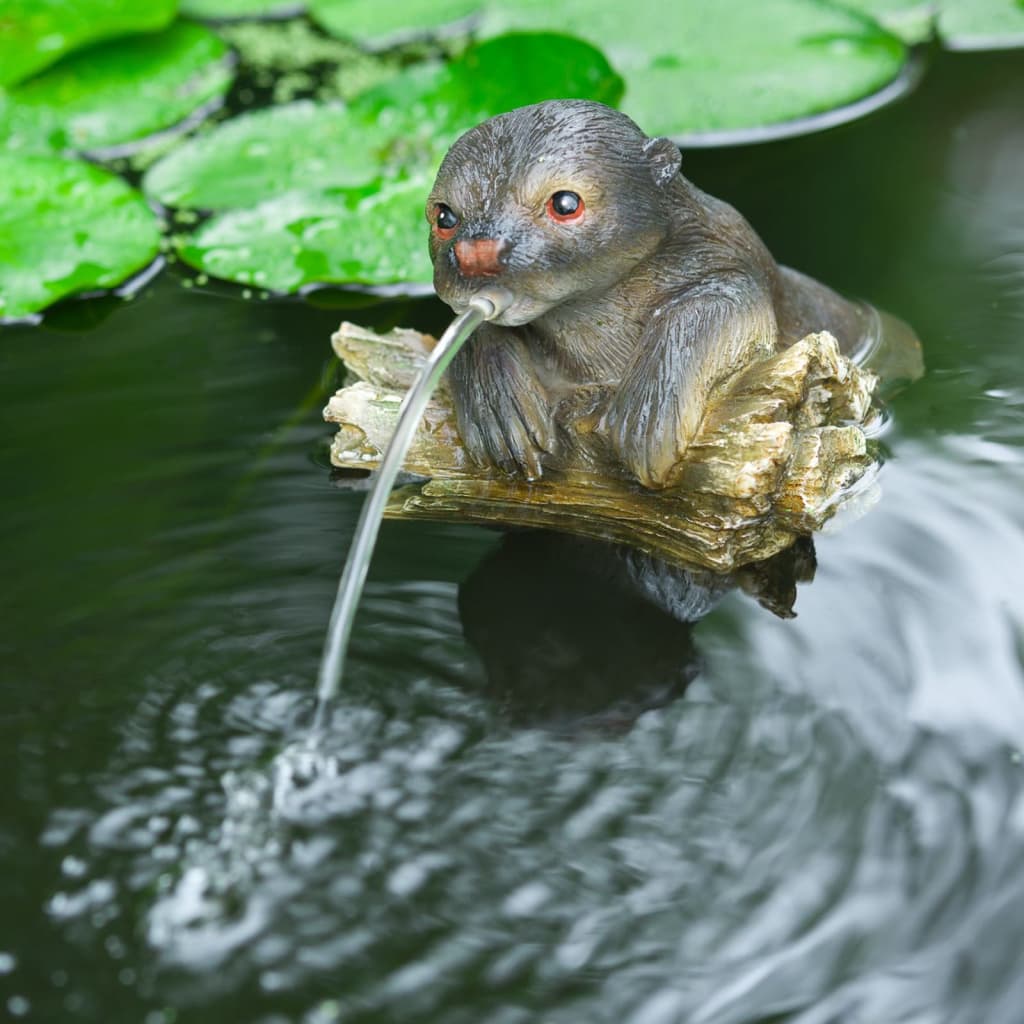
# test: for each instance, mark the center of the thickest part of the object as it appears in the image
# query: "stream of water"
(540, 795)
(486, 304)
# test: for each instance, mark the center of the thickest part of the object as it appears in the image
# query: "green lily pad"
(439, 102)
(403, 125)
(912, 20)
(66, 226)
(35, 33)
(307, 238)
(702, 67)
(382, 24)
(982, 24)
(268, 152)
(230, 10)
(117, 91)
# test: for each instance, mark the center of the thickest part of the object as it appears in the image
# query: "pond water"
(541, 798)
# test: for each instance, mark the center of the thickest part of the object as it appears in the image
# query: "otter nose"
(480, 257)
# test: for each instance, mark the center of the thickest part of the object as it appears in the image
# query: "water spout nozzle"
(491, 302)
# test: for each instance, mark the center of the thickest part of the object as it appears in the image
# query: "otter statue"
(623, 274)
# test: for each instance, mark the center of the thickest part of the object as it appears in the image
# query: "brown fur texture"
(656, 292)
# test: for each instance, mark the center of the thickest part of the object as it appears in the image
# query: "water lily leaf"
(306, 238)
(35, 33)
(912, 20)
(982, 24)
(691, 69)
(382, 24)
(122, 90)
(440, 102)
(66, 226)
(269, 152)
(229, 10)
(403, 125)
(706, 66)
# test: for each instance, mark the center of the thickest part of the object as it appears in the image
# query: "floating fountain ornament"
(783, 445)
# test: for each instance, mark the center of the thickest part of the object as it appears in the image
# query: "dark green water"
(827, 827)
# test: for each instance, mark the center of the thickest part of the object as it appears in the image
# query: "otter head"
(551, 201)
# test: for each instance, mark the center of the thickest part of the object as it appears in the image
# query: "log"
(780, 448)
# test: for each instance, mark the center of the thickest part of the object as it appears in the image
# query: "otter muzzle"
(480, 257)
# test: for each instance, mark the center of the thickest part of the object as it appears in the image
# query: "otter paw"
(648, 447)
(508, 428)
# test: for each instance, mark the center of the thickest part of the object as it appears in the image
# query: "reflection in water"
(568, 627)
(752, 851)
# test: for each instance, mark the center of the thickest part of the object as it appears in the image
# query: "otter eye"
(565, 206)
(445, 220)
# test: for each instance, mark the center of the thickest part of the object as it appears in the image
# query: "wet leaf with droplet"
(308, 238)
(703, 67)
(35, 33)
(65, 227)
(263, 154)
(116, 92)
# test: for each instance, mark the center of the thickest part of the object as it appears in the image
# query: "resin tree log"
(777, 453)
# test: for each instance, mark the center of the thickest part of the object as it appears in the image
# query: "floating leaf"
(228, 10)
(982, 24)
(706, 66)
(117, 91)
(35, 33)
(912, 20)
(309, 238)
(403, 125)
(379, 23)
(65, 227)
(437, 103)
(268, 152)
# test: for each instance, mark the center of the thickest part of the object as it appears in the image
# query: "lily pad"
(403, 125)
(382, 24)
(912, 20)
(269, 152)
(65, 227)
(982, 24)
(117, 91)
(692, 68)
(230, 10)
(440, 102)
(307, 238)
(704, 67)
(35, 33)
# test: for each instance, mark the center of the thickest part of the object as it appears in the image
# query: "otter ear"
(664, 160)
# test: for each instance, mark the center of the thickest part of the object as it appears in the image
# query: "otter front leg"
(502, 408)
(694, 340)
